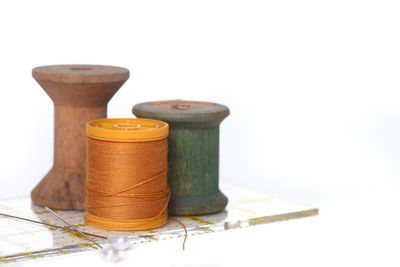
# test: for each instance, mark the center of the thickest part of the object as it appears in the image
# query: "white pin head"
(110, 254)
(119, 242)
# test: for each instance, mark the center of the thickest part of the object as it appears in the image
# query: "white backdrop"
(313, 86)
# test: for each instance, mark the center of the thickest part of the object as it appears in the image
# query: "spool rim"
(80, 73)
(182, 111)
(126, 225)
(127, 129)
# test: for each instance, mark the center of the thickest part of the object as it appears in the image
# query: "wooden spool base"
(189, 205)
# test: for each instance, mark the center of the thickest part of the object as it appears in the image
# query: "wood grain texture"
(80, 94)
(193, 156)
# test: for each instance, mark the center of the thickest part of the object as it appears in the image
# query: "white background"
(313, 89)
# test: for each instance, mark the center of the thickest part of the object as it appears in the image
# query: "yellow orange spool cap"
(127, 130)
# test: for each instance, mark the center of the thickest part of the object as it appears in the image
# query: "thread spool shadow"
(63, 237)
(204, 221)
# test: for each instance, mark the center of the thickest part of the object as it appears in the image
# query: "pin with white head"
(109, 252)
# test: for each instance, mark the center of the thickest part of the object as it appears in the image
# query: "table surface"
(21, 240)
(359, 229)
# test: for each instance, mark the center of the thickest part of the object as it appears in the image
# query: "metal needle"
(73, 227)
(48, 224)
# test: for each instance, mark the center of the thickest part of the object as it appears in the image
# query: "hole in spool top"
(127, 125)
(181, 106)
(80, 68)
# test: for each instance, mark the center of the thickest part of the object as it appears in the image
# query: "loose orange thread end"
(184, 228)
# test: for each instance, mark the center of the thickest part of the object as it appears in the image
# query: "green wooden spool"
(193, 153)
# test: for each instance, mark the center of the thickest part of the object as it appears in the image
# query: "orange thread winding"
(126, 184)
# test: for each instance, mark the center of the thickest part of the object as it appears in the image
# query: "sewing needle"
(73, 227)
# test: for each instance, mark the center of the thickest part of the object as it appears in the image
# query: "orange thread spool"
(126, 174)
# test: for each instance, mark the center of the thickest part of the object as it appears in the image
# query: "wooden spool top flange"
(182, 111)
(80, 74)
(80, 85)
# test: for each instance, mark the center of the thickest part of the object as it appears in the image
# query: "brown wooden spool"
(80, 94)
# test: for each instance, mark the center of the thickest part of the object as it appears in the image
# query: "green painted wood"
(193, 154)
